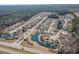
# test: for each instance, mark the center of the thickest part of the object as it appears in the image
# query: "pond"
(35, 38)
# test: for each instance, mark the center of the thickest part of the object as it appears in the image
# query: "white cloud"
(39, 2)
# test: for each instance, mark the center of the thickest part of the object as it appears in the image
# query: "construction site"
(40, 34)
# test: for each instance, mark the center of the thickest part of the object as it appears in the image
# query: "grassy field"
(9, 41)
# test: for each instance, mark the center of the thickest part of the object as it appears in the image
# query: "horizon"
(27, 6)
(37, 4)
(33, 2)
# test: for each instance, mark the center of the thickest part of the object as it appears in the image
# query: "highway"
(16, 46)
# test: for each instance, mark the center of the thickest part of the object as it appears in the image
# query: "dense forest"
(12, 16)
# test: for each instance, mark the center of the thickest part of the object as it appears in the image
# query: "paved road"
(25, 36)
(33, 50)
(51, 25)
(16, 46)
(10, 45)
(8, 51)
(27, 22)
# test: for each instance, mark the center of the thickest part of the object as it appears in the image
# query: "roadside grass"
(9, 41)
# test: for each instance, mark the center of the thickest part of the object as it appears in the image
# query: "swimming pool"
(35, 37)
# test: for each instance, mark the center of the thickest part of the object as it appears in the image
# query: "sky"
(17, 2)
